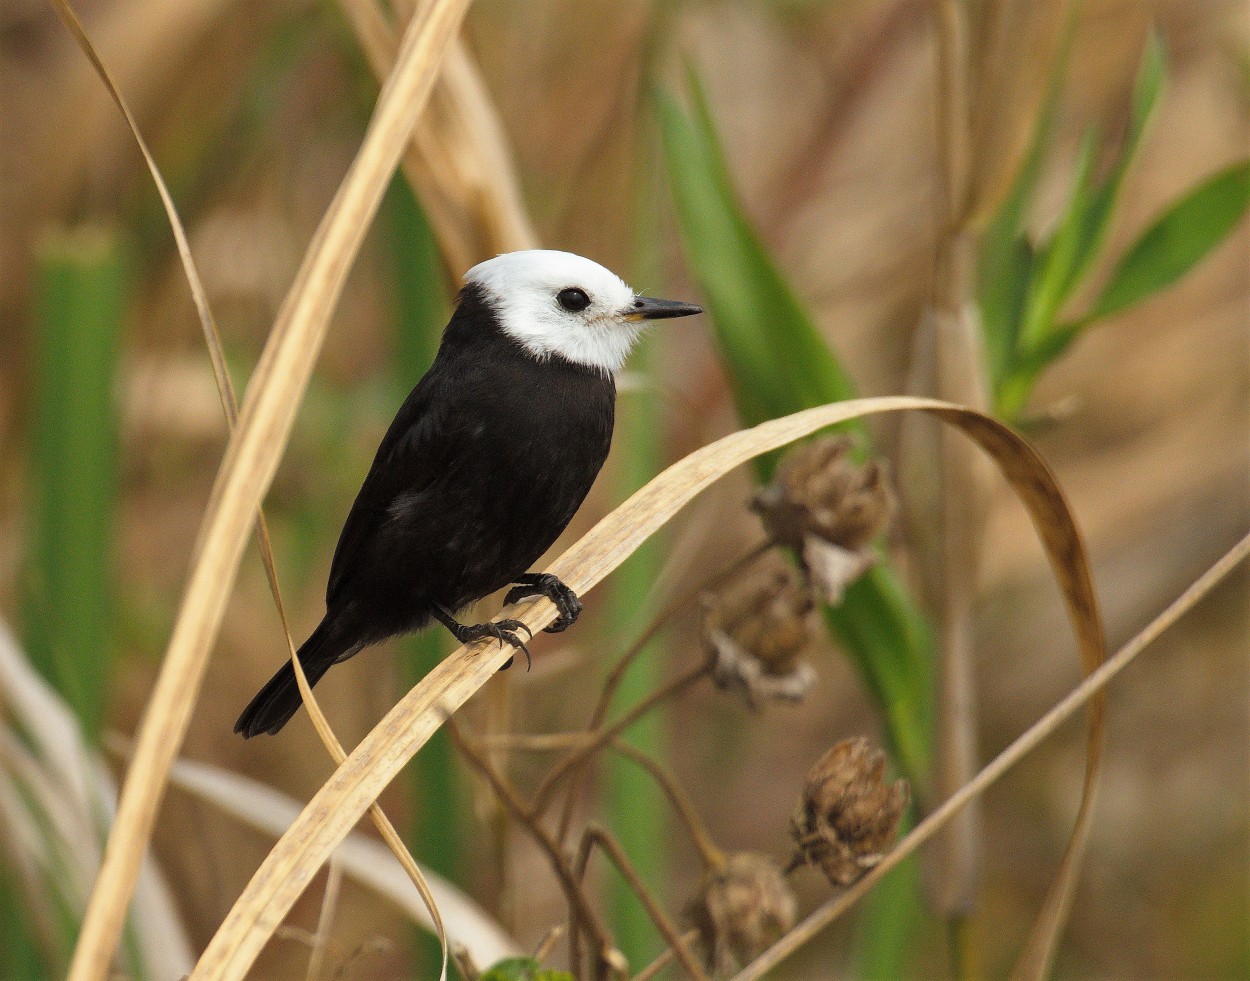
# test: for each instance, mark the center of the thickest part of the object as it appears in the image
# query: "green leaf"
(1178, 240)
(777, 363)
(522, 969)
(70, 602)
(1082, 232)
(1022, 336)
(1006, 274)
(776, 359)
(1006, 256)
(1148, 85)
(1059, 256)
(1097, 217)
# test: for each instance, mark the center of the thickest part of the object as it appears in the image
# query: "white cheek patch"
(523, 287)
(596, 341)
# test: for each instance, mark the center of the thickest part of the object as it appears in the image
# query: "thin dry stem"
(952, 109)
(534, 742)
(1090, 690)
(712, 856)
(662, 620)
(580, 907)
(613, 681)
(325, 921)
(949, 503)
(251, 460)
(665, 958)
(597, 835)
(603, 736)
(379, 757)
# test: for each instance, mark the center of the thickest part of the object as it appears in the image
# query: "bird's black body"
(485, 464)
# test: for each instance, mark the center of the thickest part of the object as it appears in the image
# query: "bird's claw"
(506, 630)
(565, 600)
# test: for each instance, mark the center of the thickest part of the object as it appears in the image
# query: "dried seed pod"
(741, 910)
(828, 509)
(758, 628)
(848, 814)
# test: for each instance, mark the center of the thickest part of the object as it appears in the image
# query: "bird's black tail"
(279, 700)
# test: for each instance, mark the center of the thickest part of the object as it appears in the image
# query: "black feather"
(484, 465)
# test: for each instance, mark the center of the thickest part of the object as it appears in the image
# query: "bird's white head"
(558, 303)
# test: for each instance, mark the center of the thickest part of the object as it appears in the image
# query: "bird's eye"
(573, 299)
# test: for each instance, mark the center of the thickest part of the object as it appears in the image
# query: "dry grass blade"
(341, 801)
(198, 293)
(1021, 51)
(362, 859)
(458, 161)
(383, 823)
(229, 401)
(251, 460)
(1089, 690)
(74, 795)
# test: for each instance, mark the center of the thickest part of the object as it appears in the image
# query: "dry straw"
(1089, 690)
(248, 468)
(458, 160)
(230, 406)
(345, 797)
(256, 447)
(360, 857)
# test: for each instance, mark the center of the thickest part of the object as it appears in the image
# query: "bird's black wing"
(410, 457)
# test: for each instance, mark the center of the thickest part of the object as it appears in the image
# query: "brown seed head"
(758, 628)
(828, 509)
(818, 490)
(848, 814)
(741, 909)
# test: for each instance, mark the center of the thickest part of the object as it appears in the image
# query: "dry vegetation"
(826, 110)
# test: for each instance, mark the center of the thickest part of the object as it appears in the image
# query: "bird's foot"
(504, 631)
(545, 584)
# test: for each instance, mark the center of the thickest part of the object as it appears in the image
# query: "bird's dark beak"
(649, 308)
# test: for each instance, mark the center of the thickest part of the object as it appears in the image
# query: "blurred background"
(111, 432)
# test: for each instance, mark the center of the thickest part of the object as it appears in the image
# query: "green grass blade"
(1097, 219)
(20, 956)
(69, 615)
(1068, 255)
(1057, 259)
(1007, 274)
(634, 807)
(421, 301)
(1177, 241)
(522, 969)
(1006, 257)
(776, 359)
(888, 640)
(778, 363)
(892, 916)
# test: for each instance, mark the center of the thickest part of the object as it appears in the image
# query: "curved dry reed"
(251, 460)
(344, 798)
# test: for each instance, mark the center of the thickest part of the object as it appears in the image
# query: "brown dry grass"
(1154, 457)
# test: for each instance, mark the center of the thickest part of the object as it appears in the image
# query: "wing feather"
(412, 454)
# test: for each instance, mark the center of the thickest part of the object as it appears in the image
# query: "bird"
(483, 467)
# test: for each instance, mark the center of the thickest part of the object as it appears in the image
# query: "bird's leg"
(545, 584)
(501, 630)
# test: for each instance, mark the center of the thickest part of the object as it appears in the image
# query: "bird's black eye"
(573, 299)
